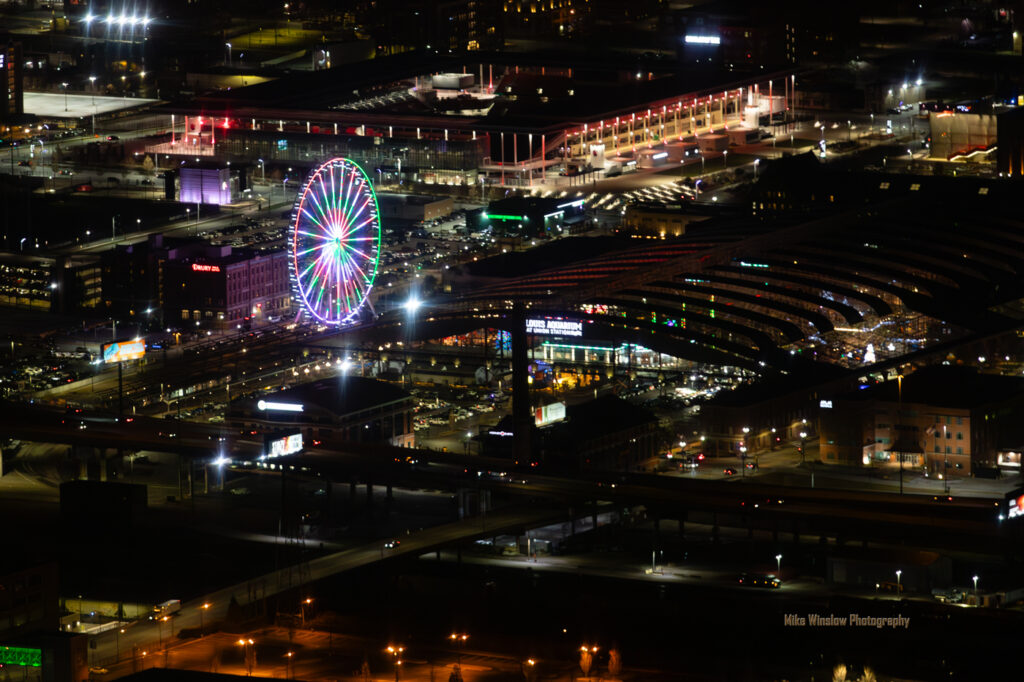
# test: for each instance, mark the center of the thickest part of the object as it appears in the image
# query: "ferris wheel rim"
(351, 271)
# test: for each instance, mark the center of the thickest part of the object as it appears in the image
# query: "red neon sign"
(197, 267)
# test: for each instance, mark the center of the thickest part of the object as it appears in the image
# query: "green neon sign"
(12, 655)
(495, 216)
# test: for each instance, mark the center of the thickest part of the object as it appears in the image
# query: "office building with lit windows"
(12, 92)
(224, 288)
(949, 421)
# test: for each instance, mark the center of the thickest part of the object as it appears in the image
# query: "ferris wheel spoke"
(346, 196)
(353, 214)
(316, 220)
(315, 235)
(317, 204)
(352, 190)
(316, 247)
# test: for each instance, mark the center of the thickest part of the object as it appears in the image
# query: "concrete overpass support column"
(522, 421)
(461, 497)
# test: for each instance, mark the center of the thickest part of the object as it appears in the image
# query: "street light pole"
(899, 424)
(975, 590)
(899, 585)
(65, 96)
(778, 563)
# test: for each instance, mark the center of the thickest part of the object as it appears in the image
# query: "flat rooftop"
(55, 105)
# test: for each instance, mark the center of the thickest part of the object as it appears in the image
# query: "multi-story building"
(349, 408)
(224, 288)
(945, 420)
(11, 89)
(57, 285)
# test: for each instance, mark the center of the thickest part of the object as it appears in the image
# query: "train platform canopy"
(572, 89)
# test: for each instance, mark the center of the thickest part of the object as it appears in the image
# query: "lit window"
(983, 190)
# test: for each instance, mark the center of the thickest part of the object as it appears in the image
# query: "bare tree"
(614, 663)
(586, 661)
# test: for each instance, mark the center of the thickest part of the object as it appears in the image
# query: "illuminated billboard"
(553, 327)
(120, 351)
(549, 414)
(286, 445)
(1015, 504)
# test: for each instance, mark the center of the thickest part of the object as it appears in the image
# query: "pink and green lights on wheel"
(335, 241)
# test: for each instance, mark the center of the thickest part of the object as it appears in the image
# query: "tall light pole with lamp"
(975, 579)
(459, 640)
(249, 651)
(228, 45)
(202, 610)
(899, 585)
(396, 653)
(778, 563)
(65, 86)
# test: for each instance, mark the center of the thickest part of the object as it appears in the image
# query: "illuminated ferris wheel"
(335, 241)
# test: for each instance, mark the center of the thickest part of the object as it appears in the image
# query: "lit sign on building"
(124, 350)
(279, 407)
(12, 655)
(554, 327)
(200, 267)
(503, 434)
(549, 414)
(289, 445)
(702, 40)
(826, 404)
